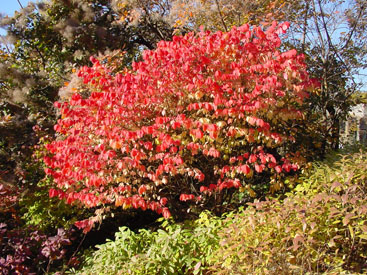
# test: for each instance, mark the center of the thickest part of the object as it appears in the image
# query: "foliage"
(330, 34)
(318, 228)
(181, 130)
(44, 42)
(34, 205)
(223, 14)
(321, 227)
(29, 244)
(39, 210)
(24, 249)
(173, 249)
(200, 114)
(214, 15)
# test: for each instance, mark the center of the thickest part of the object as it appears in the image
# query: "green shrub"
(36, 207)
(173, 249)
(321, 227)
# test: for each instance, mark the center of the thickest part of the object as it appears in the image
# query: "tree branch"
(20, 4)
(221, 16)
(354, 27)
(305, 26)
(319, 32)
(331, 45)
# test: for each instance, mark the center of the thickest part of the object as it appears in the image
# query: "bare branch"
(305, 26)
(354, 28)
(20, 4)
(221, 16)
(319, 32)
(331, 45)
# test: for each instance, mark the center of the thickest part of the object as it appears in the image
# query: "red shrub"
(199, 114)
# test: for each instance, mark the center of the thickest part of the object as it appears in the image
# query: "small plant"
(25, 249)
(172, 249)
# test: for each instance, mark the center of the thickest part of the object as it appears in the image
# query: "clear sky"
(8, 7)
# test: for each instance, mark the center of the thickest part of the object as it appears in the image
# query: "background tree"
(44, 43)
(331, 34)
(189, 15)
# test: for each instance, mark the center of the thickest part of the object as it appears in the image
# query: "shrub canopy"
(199, 115)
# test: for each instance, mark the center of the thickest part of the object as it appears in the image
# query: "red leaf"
(166, 213)
(163, 201)
(259, 168)
(53, 193)
(252, 158)
(197, 133)
(278, 169)
(186, 197)
(245, 169)
(142, 189)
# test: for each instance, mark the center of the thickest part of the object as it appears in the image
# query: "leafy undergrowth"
(173, 249)
(321, 227)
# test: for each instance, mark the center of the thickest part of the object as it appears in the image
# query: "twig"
(20, 4)
(221, 16)
(72, 256)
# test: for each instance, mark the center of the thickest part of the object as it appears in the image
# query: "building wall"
(354, 129)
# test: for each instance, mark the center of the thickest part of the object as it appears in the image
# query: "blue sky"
(8, 7)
